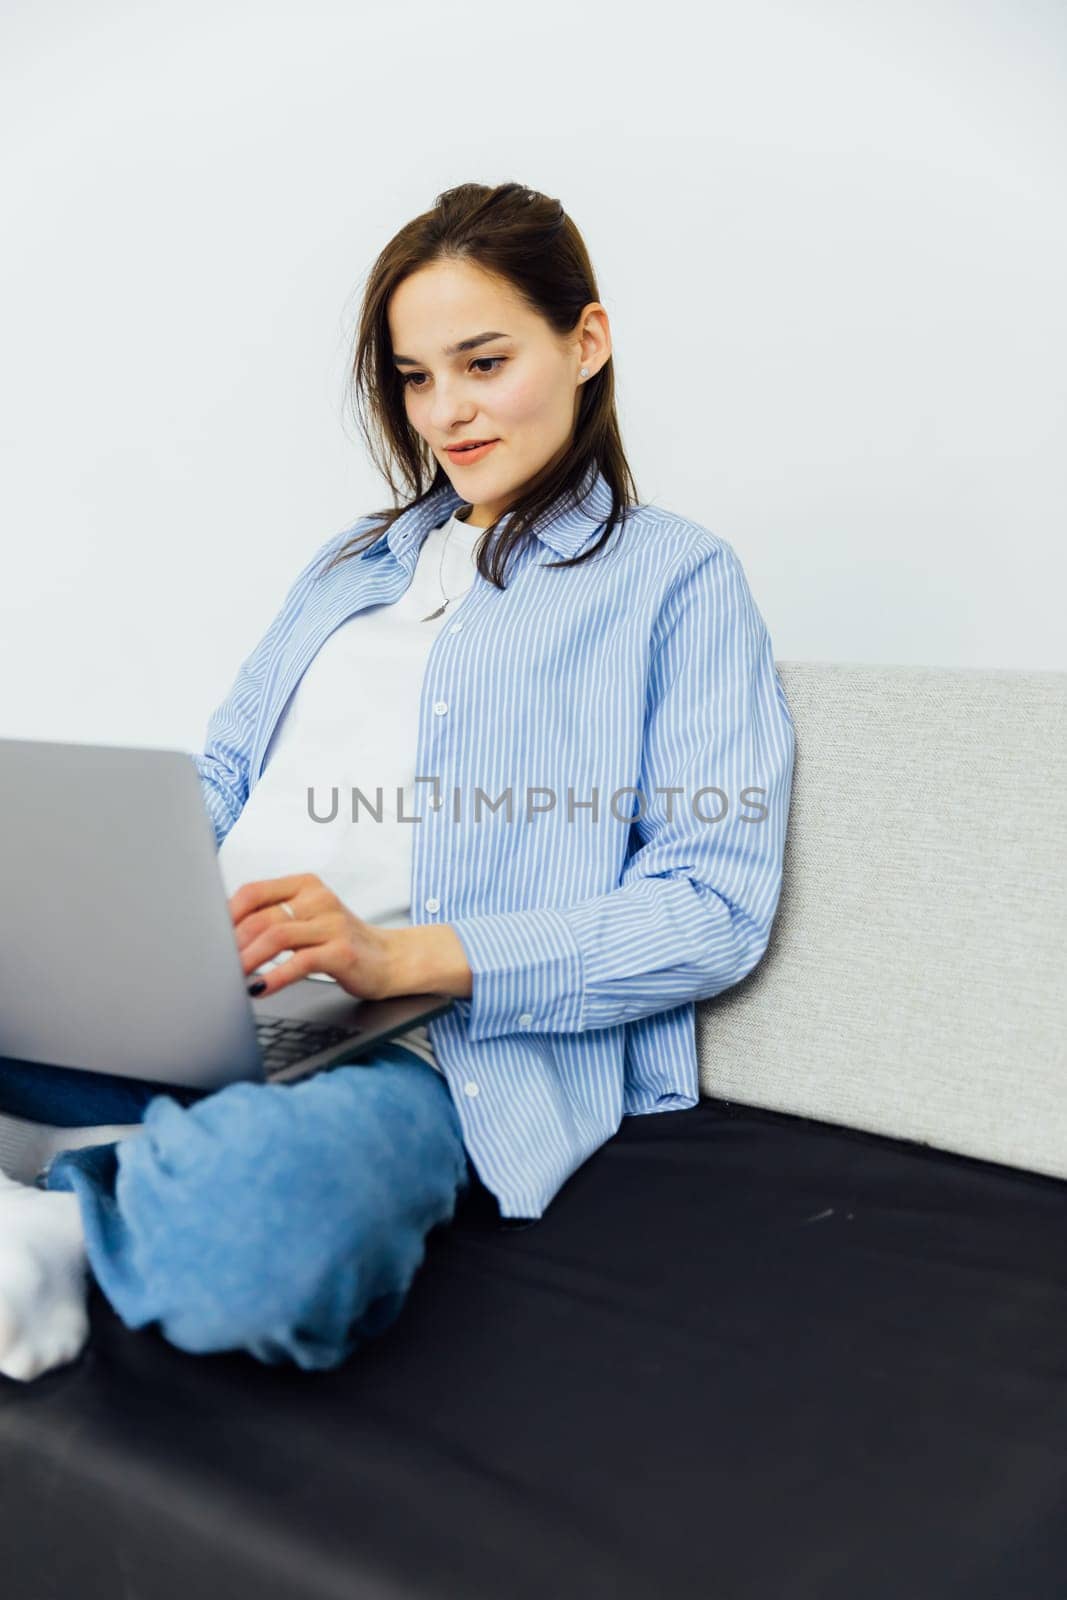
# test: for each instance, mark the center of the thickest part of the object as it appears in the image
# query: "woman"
(556, 715)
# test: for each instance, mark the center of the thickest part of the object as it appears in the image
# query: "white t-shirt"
(352, 723)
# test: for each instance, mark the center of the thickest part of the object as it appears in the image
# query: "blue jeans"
(287, 1220)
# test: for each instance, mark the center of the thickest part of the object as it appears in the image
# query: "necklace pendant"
(434, 614)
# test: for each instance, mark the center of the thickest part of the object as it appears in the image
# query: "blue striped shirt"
(631, 709)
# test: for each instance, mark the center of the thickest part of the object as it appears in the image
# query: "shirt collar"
(564, 529)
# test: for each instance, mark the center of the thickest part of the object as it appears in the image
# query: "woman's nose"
(448, 411)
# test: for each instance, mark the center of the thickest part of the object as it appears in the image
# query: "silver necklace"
(448, 597)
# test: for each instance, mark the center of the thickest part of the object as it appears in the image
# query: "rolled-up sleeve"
(693, 911)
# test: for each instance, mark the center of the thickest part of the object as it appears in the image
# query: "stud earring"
(584, 373)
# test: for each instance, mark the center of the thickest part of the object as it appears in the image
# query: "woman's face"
(520, 387)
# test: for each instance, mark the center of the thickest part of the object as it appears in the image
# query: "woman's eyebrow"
(454, 349)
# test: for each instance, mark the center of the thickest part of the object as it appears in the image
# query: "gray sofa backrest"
(914, 984)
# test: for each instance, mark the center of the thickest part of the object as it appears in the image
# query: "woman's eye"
(480, 361)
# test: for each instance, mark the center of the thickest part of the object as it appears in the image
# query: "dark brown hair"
(527, 239)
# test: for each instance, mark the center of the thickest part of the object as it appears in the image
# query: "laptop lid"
(117, 948)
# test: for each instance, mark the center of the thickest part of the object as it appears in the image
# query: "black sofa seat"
(744, 1355)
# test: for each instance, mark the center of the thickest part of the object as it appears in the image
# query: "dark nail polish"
(257, 987)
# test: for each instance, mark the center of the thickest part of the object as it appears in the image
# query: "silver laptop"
(117, 947)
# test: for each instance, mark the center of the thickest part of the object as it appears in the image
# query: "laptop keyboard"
(284, 1040)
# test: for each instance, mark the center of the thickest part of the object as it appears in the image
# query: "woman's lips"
(467, 457)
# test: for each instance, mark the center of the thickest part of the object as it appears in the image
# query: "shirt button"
(432, 905)
(526, 1019)
(457, 627)
(471, 1089)
(440, 707)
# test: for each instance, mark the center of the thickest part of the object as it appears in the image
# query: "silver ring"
(287, 907)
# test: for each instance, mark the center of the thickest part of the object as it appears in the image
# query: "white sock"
(43, 1265)
(43, 1279)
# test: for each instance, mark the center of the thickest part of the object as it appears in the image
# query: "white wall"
(831, 240)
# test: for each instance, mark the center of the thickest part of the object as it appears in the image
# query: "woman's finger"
(268, 892)
(333, 958)
(272, 917)
(286, 935)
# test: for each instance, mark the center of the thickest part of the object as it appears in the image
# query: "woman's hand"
(324, 936)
